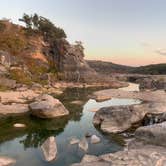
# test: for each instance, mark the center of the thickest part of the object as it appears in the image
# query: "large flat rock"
(116, 119)
(145, 155)
(17, 97)
(13, 109)
(150, 96)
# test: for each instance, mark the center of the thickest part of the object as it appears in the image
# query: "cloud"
(161, 52)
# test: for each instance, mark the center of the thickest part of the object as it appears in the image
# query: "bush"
(20, 77)
(12, 43)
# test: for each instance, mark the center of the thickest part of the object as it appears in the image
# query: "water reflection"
(38, 130)
(23, 144)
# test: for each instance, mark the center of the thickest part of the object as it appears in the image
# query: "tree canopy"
(43, 26)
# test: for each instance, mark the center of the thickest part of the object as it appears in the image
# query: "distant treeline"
(151, 69)
(109, 68)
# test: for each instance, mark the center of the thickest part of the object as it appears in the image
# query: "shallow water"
(24, 144)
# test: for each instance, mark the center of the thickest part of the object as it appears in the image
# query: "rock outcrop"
(70, 62)
(136, 156)
(152, 83)
(13, 109)
(45, 106)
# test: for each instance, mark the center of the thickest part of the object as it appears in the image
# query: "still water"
(24, 144)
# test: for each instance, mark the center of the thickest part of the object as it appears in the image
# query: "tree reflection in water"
(38, 130)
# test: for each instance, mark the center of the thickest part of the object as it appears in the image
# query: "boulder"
(153, 134)
(49, 149)
(95, 139)
(6, 161)
(113, 119)
(83, 144)
(117, 119)
(45, 106)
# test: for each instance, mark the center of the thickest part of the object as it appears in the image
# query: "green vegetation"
(12, 38)
(35, 23)
(109, 68)
(12, 43)
(4, 88)
(151, 69)
(2, 26)
(20, 77)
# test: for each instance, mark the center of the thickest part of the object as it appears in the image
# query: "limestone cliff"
(31, 58)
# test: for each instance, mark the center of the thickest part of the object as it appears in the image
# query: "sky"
(129, 32)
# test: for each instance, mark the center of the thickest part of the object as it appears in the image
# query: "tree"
(43, 26)
(27, 20)
(35, 21)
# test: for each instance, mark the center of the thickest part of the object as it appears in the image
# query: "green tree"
(35, 21)
(27, 20)
(43, 26)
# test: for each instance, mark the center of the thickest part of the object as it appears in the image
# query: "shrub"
(2, 26)
(12, 43)
(20, 76)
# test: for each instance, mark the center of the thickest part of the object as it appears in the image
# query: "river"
(24, 144)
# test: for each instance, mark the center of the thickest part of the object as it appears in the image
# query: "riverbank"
(76, 124)
(15, 102)
(147, 147)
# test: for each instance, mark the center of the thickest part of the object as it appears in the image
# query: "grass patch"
(20, 77)
(4, 88)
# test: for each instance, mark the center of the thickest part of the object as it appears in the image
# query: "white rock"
(95, 139)
(49, 149)
(74, 141)
(83, 144)
(89, 158)
(19, 125)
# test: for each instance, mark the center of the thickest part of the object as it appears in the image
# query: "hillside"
(40, 53)
(110, 68)
(151, 69)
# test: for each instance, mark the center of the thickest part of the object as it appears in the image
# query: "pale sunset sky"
(129, 32)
